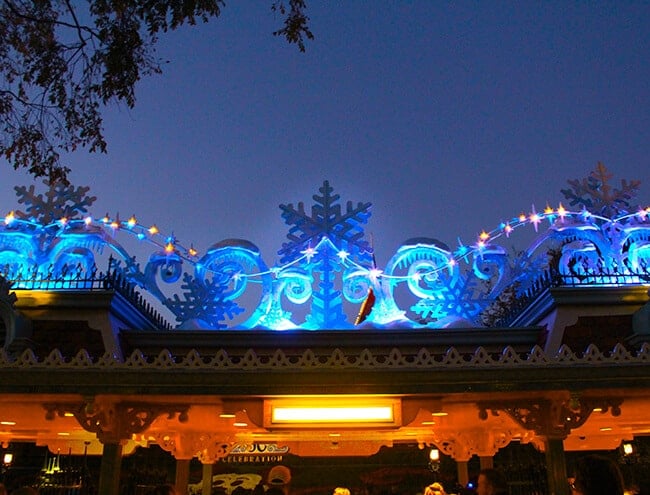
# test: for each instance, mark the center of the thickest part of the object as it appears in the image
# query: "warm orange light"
(332, 414)
(153, 230)
(169, 248)
(434, 455)
(332, 411)
(132, 221)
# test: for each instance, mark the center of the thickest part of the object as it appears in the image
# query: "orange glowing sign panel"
(332, 411)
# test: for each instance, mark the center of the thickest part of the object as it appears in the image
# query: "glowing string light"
(343, 255)
(461, 253)
(535, 219)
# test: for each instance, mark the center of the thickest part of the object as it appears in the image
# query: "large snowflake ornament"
(595, 194)
(60, 201)
(321, 242)
(343, 229)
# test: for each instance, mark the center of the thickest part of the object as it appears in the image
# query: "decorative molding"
(277, 360)
(209, 448)
(115, 422)
(551, 418)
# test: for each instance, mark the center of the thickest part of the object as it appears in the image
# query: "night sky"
(449, 117)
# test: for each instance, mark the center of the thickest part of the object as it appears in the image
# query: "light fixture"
(7, 458)
(628, 448)
(329, 411)
(434, 460)
(241, 419)
(332, 414)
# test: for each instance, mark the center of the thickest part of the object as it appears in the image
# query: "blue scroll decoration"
(327, 265)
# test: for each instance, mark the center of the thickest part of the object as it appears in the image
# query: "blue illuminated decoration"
(328, 239)
(328, 265)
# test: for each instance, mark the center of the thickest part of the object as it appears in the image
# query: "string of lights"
(170, 245)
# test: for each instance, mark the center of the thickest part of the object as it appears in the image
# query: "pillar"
(182, 475)
(462, 472)
(486, 462)
(109, 473)
(556, 467)
(207, 479)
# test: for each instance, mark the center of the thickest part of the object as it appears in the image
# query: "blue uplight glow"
(327, 261)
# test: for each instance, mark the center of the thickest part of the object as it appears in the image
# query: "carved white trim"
(366, 359)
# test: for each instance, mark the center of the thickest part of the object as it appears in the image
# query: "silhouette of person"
(597, 475)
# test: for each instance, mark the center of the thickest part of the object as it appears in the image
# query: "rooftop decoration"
(327, 262)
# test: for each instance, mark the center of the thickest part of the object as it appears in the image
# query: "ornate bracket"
(208, 448)
(461, 446)
(115, 422)
(551, 418)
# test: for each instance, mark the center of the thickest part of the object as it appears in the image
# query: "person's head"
(341, 491)
(491, 482)
(597, 475)
(434, 489)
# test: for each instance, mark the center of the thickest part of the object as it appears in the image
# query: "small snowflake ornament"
(596, 195)
(59, 202)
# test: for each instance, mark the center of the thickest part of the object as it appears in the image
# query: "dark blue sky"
(448, 117)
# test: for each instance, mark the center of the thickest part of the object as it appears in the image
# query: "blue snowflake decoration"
(595, 194)
(343, 229)
(203, 304)
(326, 261)
(343, 232)
(60, 201)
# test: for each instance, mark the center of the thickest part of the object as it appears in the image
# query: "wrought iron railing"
(588, 277)
(66, 278)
